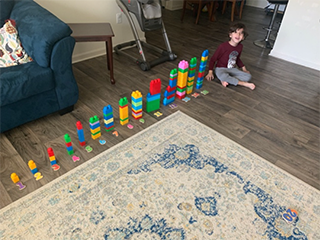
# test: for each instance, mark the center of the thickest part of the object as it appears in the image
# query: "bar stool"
(266, 43)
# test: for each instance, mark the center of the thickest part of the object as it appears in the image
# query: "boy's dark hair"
(234, 27)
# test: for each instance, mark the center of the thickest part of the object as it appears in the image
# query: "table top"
(83, 31)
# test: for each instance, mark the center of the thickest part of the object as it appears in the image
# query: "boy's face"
(237, 36)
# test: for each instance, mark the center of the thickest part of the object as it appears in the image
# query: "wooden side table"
(93, 32)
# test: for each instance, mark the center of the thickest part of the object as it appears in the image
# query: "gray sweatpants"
(232, 75)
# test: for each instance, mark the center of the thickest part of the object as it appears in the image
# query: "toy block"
(153, 105)
(136, 105)
(95, 129)
(123, 111)
(52, 157)
(153, 97)
(108, 118)
(32, 167)
(80, 133)
(68, 144)
(14, 178)
(155, 86)
(167, 101)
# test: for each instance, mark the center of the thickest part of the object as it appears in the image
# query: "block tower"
(32, 167)
(136, 104)
(153, 97)
(170, 93)
(123, 111)
(69, 147)
(82, 142)
(182, 79)
(191, 74)
(95, 127)
(202, 68)
(108, 118)
(52, 157)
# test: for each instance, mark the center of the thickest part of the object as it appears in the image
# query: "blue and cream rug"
(176, 180)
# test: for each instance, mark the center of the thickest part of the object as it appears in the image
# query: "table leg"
(110, 59)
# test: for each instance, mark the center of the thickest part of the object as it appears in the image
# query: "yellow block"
(14, 178)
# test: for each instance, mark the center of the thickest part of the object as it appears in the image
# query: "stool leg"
(266, 43)
(232, 10)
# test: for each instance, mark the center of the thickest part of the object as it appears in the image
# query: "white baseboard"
(89, 54)
(314, 65)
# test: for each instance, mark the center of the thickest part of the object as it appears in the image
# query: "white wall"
(91, 11)
(299, 35)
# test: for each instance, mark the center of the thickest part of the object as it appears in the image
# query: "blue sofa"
(46, 85)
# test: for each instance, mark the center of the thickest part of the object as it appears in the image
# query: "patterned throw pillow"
(11, 51)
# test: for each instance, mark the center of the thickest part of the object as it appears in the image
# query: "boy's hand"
(210, 76)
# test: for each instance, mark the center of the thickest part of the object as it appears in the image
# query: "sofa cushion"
(39, 30)
(22, 81)
(5, 10)
(11, 50)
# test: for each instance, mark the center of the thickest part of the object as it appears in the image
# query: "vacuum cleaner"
(149, 17)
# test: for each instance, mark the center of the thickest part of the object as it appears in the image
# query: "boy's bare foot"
(247, 84)
(224, 83)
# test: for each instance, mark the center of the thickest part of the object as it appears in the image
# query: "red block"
(170, 89)
(50, 152)
(69, 144)
(79, 125)
(155, 86)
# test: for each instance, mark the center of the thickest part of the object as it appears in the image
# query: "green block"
(93, 119)
(70, 152)
(153, 105)
(67, 138)
(123, 101)
(181, 90)
(183, 70)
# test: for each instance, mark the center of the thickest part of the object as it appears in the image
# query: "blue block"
(136, 99)
(34, 171)
(80, 135)
(69, 148)
(173, 83)
(94, 125)
(153, 97)
(107, 110)
(168, 101)
(53, 162)
(166, 93)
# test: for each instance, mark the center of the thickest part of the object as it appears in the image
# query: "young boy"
(227, 58)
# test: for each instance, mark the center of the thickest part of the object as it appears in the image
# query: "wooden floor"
(279, 120)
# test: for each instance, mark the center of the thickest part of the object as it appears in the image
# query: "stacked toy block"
(191, 74)
(170, 93)
(108, 118)
(123, 111)
(153, 97)
(182, 79)
(69, 147)
(95, 127)
(136, 104)
(32, 167)
(52, 157)
(82, 142)
(202, 68)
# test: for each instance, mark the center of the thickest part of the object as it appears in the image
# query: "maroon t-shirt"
(227, 56)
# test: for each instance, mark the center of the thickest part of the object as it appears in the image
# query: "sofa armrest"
(61, 63)
(38, 30)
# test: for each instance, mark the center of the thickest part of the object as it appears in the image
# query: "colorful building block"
(136, 104)
(202, 68)
(108, 118)
(51, 156)
(170, 93)
(182, 79)
(191, 74)
(123, 111)
(68, 142)
(153, 97)
(32, 167)
(14, 178)
(95, 129)
(82, 141)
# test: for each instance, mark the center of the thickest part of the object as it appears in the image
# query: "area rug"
(178, 179)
